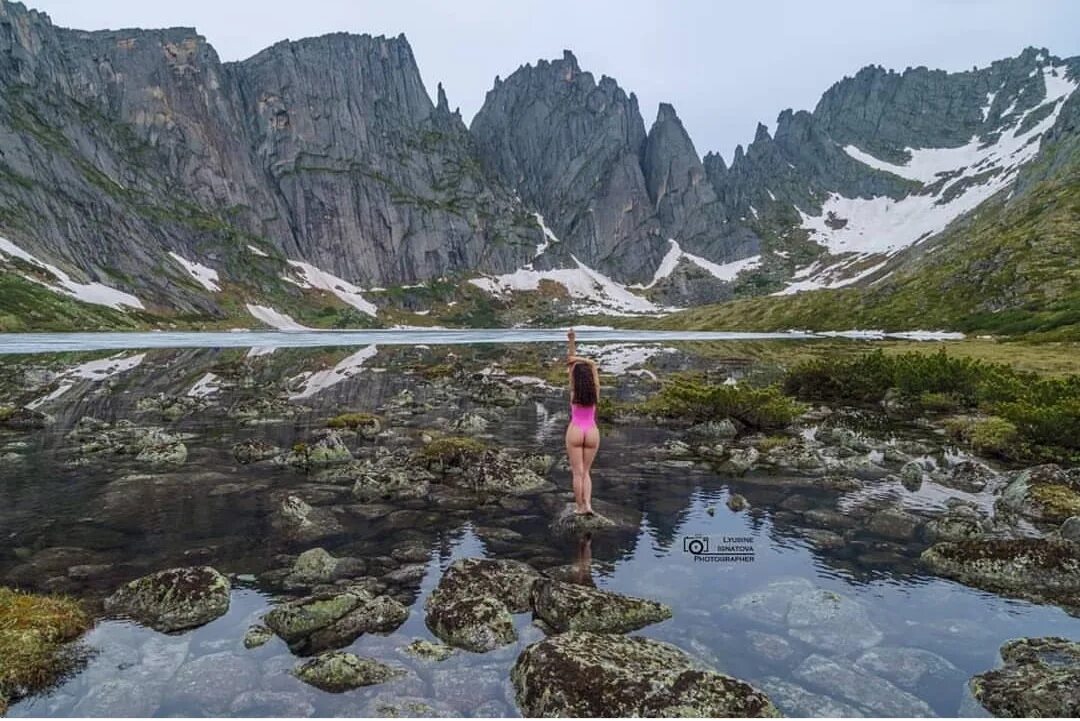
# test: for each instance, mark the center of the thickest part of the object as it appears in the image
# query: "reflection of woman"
(584, 561)
(582, 435)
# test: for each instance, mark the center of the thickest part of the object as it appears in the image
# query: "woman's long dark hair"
(584, 385)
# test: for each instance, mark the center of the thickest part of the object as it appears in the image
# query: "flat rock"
(574, 607)
(841, 679)
(1040, 677)
(338, 671)
(583, 674)
(173, 599)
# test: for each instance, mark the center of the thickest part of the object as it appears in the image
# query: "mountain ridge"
(310, 176)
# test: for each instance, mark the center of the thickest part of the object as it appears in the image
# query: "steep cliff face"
(124, 147)
(571, 147)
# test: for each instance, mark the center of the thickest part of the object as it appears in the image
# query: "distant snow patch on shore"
(95, 293)
(204, 276)
(273, 318)
(312, 277)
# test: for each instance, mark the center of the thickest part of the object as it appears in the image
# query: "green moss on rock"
(337, 672)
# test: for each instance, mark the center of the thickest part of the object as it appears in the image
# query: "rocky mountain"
(143, 182)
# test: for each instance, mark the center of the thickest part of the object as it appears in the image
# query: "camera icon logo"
(696, 545)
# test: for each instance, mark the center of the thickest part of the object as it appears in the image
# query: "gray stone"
(574, 607)
(173, 599)
(1040, 677)
(841, 679)
(338, 671)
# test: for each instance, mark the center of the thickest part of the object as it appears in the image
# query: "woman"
(582, 435)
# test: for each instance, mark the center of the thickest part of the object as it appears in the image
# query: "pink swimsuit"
(584, 417)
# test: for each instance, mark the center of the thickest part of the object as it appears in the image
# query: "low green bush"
(1044, 413)
(697, 401)
(991, 435)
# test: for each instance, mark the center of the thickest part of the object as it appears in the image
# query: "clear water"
(127, 519)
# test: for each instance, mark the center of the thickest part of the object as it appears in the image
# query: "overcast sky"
(724, 65)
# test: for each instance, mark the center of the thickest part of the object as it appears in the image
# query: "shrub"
(939, 402)
(991, 435)
(696, 401)
(33, 630)
(452, 450)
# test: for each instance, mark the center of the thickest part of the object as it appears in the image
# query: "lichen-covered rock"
(1039, 569)
(741, 460)
(714, 430)
(961, 522)
(574, 607)
(325, 449)
(428, 651)
(338, 672)
(173, 599)
(1044, 493)
(299, 521)
(586, 674)
(569, 521)
(253, 451)
(970, 476)
(1040, 678)
(256, 636)
(737, 502)
(334, 619)
(471, 606)
(474, 623)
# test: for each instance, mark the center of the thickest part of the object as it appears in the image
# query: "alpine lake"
(788, 559)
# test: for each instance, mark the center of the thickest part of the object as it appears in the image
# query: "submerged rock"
(1040, 569)
(827, 620)
(907, 667)
(574, 607)
(1040, 678)
(338, 672)
(893, 523)
(174, 599)
(1070, 529)
(839, 678)
(333, 620)
(794, 700)
(961, 522)
(586, 674)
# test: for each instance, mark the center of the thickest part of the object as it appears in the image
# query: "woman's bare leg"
(575, 437)
(589, 450)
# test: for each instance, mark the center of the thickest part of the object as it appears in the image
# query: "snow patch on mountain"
(597, 294)
(312, 277)
(549, 237)
(273, 318)
(204, 276)
(956, 180)
(95, 293)
(675, 254)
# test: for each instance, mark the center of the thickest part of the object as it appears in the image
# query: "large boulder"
(585, 674)
(173, 599)
(573, 607)
(334, 619)
(472, 605)
(337, 672)
(1039, 569)
(1040, 678)
(1044, 493)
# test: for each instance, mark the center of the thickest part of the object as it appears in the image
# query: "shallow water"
(84, 525)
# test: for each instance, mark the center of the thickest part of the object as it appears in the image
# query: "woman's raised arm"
(571, 344)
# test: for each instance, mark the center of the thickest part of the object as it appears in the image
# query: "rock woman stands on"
(582, 435)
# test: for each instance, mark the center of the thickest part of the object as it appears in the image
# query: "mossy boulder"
(35, 632)
(326, 448)
(1040, 678)
(174, 599)
(427, 650)
(472, 605)
(573, 607)
(1039, 569)
(583, 674)
(334, 619)
(1044, 493)
(337, 672)
(253, 451)
(365, 424)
